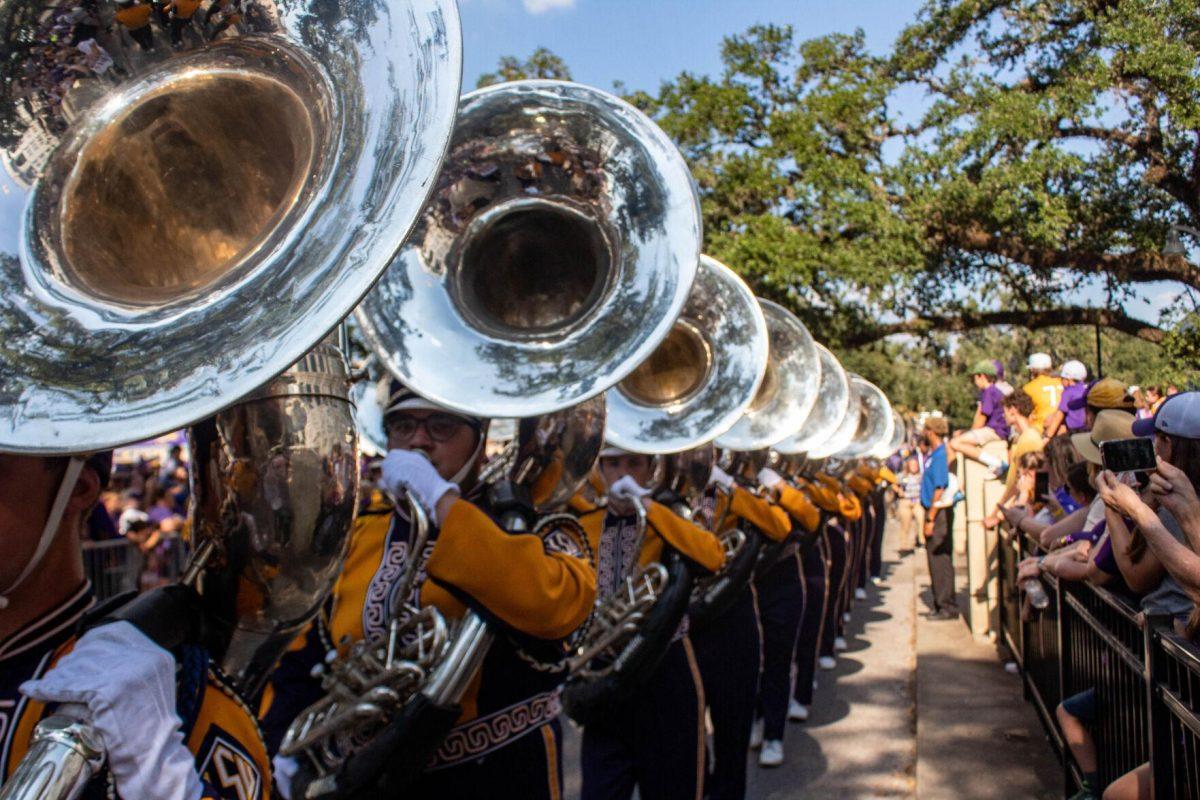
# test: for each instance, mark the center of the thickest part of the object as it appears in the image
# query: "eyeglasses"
(439, 427)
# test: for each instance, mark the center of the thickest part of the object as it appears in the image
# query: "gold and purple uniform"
(528, 587)
(729, 652)
(654, 739)
(218, 728)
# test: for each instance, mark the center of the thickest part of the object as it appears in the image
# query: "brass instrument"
(175, 235)
(833, 399)
(694, 386)
(558, 247)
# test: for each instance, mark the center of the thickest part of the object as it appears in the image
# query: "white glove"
(720, 477)
(769, 478)
(284, 769)
(411, 471)
(127, 683)
(627, 488)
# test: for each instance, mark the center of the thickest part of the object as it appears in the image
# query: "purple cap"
(1179, 415)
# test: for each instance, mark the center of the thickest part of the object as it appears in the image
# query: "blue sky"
(644, 43)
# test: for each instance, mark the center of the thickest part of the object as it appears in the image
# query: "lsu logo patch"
(228, 769)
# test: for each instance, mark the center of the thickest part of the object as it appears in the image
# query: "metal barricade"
(116, 566)
(1103, 650)
(113, 566)
(1146, 677)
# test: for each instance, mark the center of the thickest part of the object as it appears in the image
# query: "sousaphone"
(789, 387)
(557, 250)
(701, 379)
(833, 399)
(186, 212)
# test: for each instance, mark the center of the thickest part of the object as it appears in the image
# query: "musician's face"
(447, 440)
(638, 467)
(28, 485)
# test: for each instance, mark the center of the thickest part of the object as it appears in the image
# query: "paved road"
(915, 709)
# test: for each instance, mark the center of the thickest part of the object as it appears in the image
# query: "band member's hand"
(406, 470)
(719, 477)
(627, 490)
(770, 479)
(127, 683)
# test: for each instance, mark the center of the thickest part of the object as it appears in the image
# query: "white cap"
(1074, 370)
(1040, 361)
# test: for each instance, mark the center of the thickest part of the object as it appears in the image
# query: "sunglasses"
(439, 427)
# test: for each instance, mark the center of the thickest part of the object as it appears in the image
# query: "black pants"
(780, 608)
(940, 550)
(728, 652)
(862, 553)
(532, 763)
(836, 549)
(880, 503)
(816, 598)
(653, 741)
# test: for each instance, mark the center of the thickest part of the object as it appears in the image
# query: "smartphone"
(1041, 484)
(1128, 455)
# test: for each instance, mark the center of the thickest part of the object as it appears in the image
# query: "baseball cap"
(1110, 424)
(1106, 393)
(1040, 361)
(984, 367)
(1074, 370)
(1179, 415)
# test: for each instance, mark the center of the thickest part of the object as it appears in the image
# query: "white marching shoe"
(860, 594)
(877, 580)
(772, 754)
(797, 712)
(846, 617)
(839, 644)
(827, 662)
(756, 734)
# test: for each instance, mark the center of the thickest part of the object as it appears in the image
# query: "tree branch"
(1115, 319)
(1133, 267)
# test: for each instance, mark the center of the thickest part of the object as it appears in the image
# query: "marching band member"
(654, 739)
(782, 599)
(862, 486)
(508, 733)
(880, 478)
(728, 648)
(816, 599)
(829, 495)
(171, 727)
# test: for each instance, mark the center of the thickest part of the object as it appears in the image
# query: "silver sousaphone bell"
(833, 399)
(187, 210)
(701, 379)
(557, 249)
(789, 387)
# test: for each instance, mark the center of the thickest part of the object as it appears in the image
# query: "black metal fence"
(119, 565)
(1146, 678)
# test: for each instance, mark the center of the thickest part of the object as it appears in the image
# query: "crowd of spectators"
(146, 504)
(1136, 533)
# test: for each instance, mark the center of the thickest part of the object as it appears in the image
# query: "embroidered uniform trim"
(486, 734)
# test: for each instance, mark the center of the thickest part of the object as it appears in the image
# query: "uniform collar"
(50, 627)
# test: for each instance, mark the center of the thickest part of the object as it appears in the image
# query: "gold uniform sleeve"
(544, 594)
(767, 517)
(801, 509)
(688, 538)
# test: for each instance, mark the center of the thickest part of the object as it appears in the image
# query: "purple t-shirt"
(991, 405)
(1074, 406)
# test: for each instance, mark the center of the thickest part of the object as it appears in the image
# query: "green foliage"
(542, 63)
(1055, 143)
